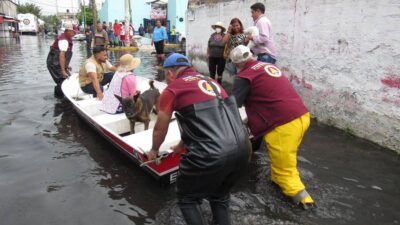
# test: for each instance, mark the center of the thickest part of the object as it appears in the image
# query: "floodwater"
(54, 169)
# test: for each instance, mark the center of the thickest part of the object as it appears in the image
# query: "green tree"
(50, 21)
(86, 13)
(29, 8)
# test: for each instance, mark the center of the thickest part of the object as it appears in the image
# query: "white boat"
(115, 128)
(79, 37)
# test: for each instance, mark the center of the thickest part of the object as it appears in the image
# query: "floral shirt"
(236, 40)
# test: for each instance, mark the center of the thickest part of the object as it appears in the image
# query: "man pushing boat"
(212, 132)
(59, 57)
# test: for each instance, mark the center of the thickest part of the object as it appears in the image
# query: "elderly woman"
(123, 84)
(215, 52)
(233, 38)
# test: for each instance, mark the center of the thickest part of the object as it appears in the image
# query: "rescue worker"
(277, 113)
(59, 58)
(217, 144)
(95, 73)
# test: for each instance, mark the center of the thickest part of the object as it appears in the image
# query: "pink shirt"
(264, 43)
(128, 87)
(122, 84)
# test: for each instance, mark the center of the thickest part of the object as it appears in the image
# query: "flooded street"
(55, 169)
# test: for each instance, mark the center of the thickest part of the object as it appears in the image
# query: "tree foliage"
(29, 8)
(51, 21)
(86, 13)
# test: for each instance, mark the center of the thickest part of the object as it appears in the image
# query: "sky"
(49, 6)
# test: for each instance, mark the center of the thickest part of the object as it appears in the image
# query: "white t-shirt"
(91, 67)
(123, 31)
(63, 45)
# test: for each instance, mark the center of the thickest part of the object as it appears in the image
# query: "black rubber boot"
(192, 214)
(58, 92)
(220, 210)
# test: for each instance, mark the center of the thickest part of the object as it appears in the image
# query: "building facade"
(8, 18)
(145, 10)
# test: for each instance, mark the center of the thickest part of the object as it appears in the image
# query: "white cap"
(240, 54)
(68, 26)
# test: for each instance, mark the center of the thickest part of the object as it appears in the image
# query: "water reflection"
(54, 167)
(132, 192)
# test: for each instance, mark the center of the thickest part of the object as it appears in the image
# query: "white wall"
(342, 56)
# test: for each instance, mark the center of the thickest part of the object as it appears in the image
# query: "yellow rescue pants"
(283, 143)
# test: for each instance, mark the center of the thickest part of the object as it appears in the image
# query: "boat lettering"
(172, 177)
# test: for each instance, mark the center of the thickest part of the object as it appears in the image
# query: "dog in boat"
(138, 108)
(253, 31)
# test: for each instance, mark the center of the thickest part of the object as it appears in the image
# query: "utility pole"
(94, 12)
(57, 7)
(127, 16)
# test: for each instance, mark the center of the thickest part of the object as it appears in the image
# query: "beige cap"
(218, 24)
(240, 54)
(128, 62)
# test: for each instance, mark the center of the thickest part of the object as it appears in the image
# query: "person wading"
(275, 112)
(59, 58)
(212, 132)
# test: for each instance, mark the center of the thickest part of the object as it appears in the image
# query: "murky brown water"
(56, 170)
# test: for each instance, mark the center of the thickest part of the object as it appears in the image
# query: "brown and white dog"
(138, 108)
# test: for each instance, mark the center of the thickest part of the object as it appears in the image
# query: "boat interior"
(118, 124)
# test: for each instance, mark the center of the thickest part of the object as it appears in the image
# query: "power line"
(50, 5)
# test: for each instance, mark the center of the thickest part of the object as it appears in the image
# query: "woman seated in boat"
(123, 84)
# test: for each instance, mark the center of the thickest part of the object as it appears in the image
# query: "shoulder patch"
(272, 70)
(207, 89)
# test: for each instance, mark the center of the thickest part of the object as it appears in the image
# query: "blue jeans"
(266, 58)
(89, 89)
(231, 67)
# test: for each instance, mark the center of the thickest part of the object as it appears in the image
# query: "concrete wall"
(342, 56)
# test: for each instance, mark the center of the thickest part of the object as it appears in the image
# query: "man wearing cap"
(264, 47)
(95, 73)
(277, 113)
(215, 157)
(59, 57)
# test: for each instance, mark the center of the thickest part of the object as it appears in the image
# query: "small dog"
(253, 31)
(138, 108)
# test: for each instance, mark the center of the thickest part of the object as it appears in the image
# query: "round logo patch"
(207, 89)
(26, 21)
(273, 71)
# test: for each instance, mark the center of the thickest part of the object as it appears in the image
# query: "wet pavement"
(56, 170)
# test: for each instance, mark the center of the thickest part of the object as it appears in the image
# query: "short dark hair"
(98, 49)
(258, 6)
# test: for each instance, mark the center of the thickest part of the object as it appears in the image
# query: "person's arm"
(241, 88)
(105, 35)
(228, 34)
(165, 35)
(96, 85)
(264, 33)
(63, 46)
(110, 66)
(167, 99)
